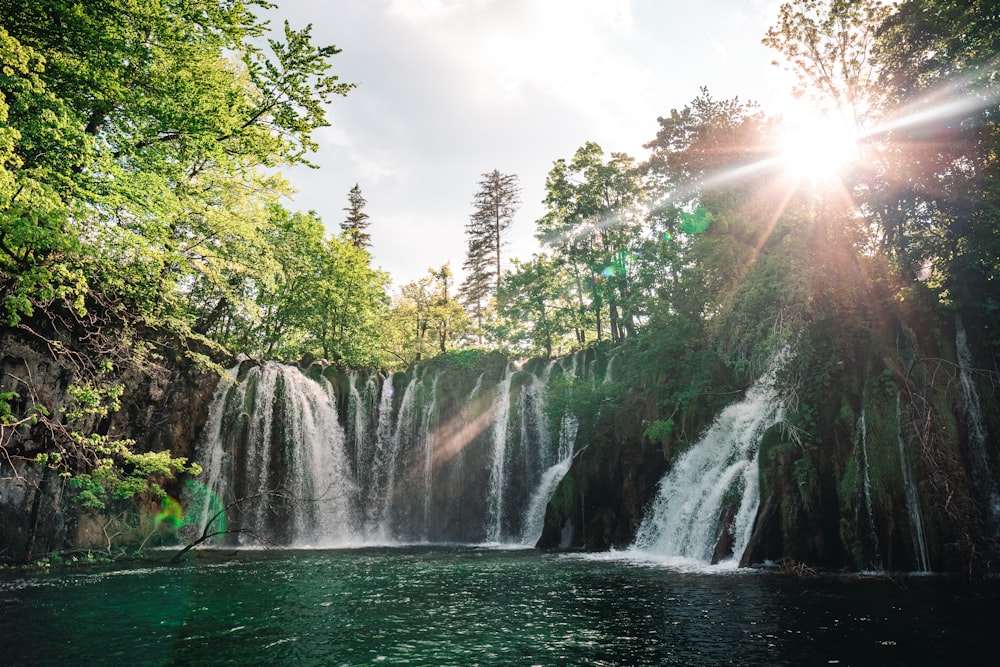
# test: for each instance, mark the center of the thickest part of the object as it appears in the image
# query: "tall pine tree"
(495, 204)
(357, 220)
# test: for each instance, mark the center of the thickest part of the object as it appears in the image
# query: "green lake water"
(477, 606)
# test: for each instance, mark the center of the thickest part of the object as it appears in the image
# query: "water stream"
(982, 473)
(277, 461)
(498, 477)
(718, 471)
(912, 497)
(862, 438)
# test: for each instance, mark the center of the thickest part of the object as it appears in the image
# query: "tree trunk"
(614, 326)
(496, 241)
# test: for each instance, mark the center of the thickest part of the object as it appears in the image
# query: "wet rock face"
(724, 543)
(36, 379)
(165, 410)
(601, 501)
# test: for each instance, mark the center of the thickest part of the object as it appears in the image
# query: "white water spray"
(293, 474)
(569, 425)
(389, 456)
(982, 474)
(217, 464)
(427, 433)
(722, 465)
(912, 498)
(467, 474)
(497, 477)
(862, 437)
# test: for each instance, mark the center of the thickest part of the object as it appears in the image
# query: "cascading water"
(912, 498)
(982, 474)
(359, 410)
(390, 453)
(534, 518)
(862, 438)
(609, 369)
(497, 464)
(204, 502)
(433, 455)
(276, 462)
(719, 469)
(428, 438)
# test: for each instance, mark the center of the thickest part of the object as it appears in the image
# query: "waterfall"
(388, 459)
(371, 464)
(428, 437)
(276, 461)
(982, 475)
(497, 477)
(568, 424)
(534, 517)
(437, 454)
(719, 469)
(912, 498)
(861, 432)
(609, 369)
(359, 415)
(216, 465)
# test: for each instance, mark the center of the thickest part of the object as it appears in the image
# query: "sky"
(448, 90)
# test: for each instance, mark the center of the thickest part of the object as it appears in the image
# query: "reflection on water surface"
(462, 606)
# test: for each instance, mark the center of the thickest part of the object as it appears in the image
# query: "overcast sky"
(450, 89)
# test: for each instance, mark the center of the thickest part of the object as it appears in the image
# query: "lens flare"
(171, 512)
(203, 507)
(696, 222)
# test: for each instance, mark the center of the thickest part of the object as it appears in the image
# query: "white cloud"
(429, 10)
(372, 163)
(504, 50)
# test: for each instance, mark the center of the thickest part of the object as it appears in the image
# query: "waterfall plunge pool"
(434, 605)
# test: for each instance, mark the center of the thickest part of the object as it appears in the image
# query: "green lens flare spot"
(697, 221)
(203, 507)
(171, 512)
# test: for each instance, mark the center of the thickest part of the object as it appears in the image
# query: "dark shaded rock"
(724, 543)
(163, 408)
(601, 501)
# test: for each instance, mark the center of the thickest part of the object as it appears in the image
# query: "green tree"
(320, 297)
(495, 204)
(357, 222)
(137, 160)
(477, 290)
(593, 225)
(286, 300)
(925, 73)
(711, 217)
(937, 200)
(829, 45)
(427, 319)
(142, 127)
(537, 313)
(349, 307)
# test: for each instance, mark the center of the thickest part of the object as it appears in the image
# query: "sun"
(818, 148)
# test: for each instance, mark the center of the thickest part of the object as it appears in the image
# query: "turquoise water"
(468, 606)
